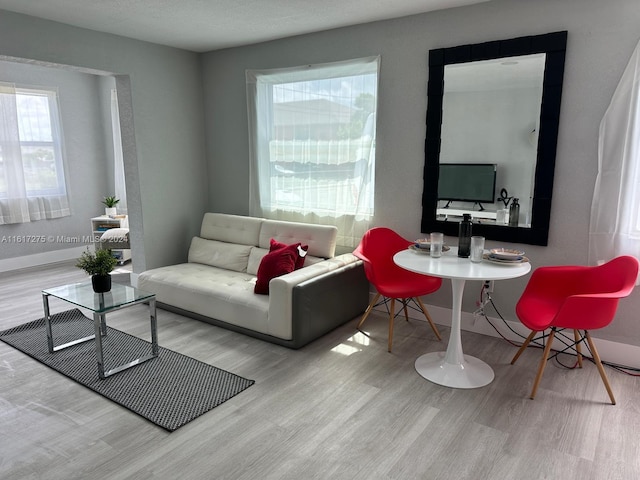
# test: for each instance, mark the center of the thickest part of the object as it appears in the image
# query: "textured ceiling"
(204, 25)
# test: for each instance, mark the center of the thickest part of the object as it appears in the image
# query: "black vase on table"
(101, 283)
(464, 236)
(514, 213)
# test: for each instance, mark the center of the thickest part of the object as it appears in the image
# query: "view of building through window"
(315, 138)
(30, 148)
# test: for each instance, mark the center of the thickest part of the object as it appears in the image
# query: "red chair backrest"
(376, 249)
(616, 276)
(579, 297)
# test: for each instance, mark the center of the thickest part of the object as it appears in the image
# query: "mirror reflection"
(494, 105)
(493, 113)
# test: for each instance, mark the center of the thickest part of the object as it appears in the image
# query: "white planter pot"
(110, 212)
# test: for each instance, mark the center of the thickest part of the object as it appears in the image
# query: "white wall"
(601, 37)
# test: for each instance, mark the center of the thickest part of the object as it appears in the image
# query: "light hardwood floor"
(340, 408)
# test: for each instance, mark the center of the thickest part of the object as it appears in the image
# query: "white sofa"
(216, 285)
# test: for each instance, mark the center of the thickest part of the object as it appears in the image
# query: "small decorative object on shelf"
(102, 224)
(514, 213)
(504, 197)
(464, 236)
(99, 265)
(110, 204)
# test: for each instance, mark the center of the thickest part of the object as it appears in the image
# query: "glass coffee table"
(119, 297)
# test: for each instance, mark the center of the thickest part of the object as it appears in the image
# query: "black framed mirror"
(516, 128)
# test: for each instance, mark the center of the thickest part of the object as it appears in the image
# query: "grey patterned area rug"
(170, 390)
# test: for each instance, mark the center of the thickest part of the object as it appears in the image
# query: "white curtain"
(615, 211)
(118, 159)
(16, 206)
(312, 144)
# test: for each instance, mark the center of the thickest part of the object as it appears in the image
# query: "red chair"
(578, 298)
(376, 250)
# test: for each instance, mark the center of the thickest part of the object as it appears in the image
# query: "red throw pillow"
(273, 265)
(281, 259)
(299, 249)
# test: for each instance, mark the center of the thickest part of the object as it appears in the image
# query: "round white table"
(452, 368)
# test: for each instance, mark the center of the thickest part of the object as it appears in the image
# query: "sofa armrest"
(342, 272)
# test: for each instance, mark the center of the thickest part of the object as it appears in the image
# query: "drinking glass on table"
(477, 248)
(436, 240)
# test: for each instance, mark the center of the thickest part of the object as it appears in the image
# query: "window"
(32, 182)
(312, 134)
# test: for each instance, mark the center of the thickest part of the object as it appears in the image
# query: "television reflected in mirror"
(494, 103)
(467, 182)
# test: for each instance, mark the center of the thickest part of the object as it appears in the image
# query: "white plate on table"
(506, 254)
(513, 261)
(427, 250)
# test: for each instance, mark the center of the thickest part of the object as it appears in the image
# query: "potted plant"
(98, 265)
(110, 204)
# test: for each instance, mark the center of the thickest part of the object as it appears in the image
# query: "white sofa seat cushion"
(213, 292)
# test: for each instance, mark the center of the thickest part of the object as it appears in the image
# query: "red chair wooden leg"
(368, 310)
(428, 317)
(393, 304)
(576, 336)
(543, 363)
(603, 375)
(524, 346)
(404, 307)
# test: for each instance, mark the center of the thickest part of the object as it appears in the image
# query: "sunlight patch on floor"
(359, 339)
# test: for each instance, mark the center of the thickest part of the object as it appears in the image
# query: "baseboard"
(27, 261)
(613, 352)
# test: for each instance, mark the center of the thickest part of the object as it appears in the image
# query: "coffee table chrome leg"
(47, 324)
(47, 321)
(154, 327)
(98, 321)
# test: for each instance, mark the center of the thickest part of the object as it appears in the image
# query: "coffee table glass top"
(82, 295)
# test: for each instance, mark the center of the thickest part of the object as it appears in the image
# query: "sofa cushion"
(225, 255)
(320, 238)
(231, 228)
(255, 257)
